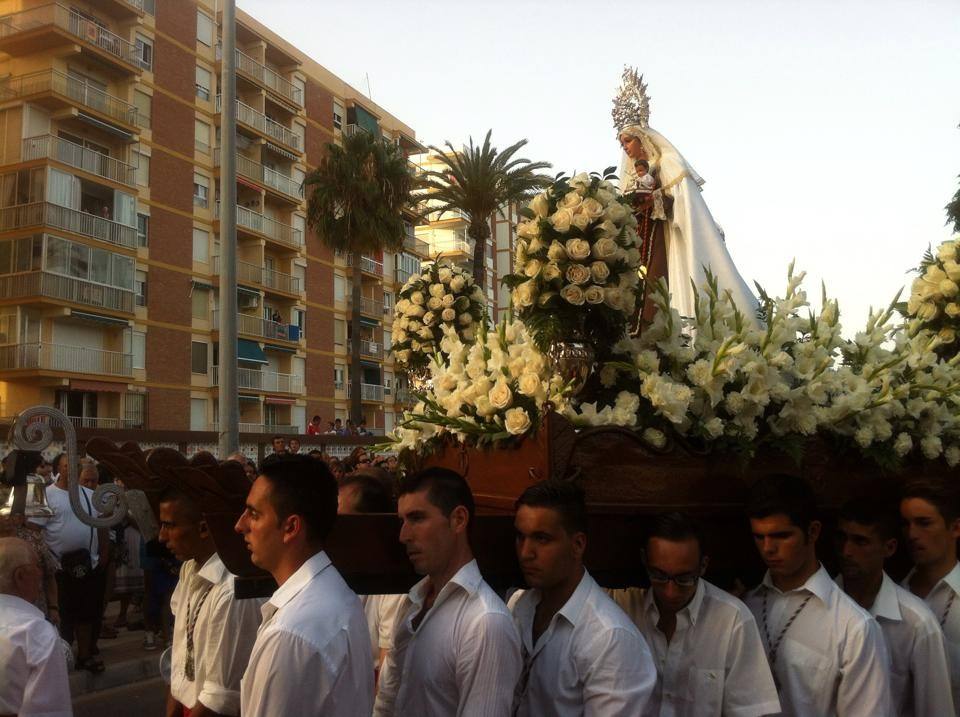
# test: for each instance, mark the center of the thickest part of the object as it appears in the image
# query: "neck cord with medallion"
(946, 610)
(189, 669)
(774, 646)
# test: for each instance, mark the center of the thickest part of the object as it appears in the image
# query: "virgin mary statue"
(681, 240)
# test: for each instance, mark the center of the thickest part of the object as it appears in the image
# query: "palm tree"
(358, 192)
(478, 181)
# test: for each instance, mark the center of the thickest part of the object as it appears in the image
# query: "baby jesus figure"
(646, 182)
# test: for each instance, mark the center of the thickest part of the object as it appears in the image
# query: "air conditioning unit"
(248, 301)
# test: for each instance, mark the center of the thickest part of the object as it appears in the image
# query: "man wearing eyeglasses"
(705, 642)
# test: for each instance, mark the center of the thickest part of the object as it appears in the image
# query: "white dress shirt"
(832, 660)
(591, 660)
(32, 663)
(944, 602)
(312, 653)
(64, 532)
(224, 632)
(381, 614)
(919, 676)
(463, 659)
(715, 662)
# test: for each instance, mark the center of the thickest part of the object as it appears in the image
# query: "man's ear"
(579, 540)
(459, 519)
(204, 529)
(889, 547)
(292, 527)
(704, 564)
(813, 531)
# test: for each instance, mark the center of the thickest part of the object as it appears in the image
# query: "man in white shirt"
(312, 652)
(213, 632)
(32, 663)
(581, 654)
(826, 652)
(82, 581)
(455, 650)
(706, 644)
(919, 676)
(931, 518)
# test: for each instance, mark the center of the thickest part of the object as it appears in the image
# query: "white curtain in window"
(124, 208)
(63, 189)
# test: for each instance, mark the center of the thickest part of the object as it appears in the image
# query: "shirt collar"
(692, 608)
(820, 584)
(951, 579)
(885, 604)
(574, 605)
(15, 602)
(315, 565)
(213, 571)
(467, 577)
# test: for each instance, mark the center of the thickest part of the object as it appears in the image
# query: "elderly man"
(32, 662)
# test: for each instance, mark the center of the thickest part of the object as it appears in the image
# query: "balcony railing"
(254, 274)
(266, 176)
(75, 24)
(368, 391)
(255, 326)
(49, 147)
(268, 78)
(368, 265)
(271, 228)
(251, 379)
(71, 220)
(370, 307)
(77, 90)
(103, 422)
(402, 275)
(371, 348)
(450, 246)
(260, 122)
(417, 246)
(64, 288)
(262, 428)
(403, 395)
(69, 359)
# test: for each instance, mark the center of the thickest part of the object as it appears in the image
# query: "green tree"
(478, 181)
(953, 211)
(357, 195)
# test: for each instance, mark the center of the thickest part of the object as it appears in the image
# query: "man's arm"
(930, 673)
(748, 687)
(488, 665)
(618, 673)
(865, 672)
(229, 632)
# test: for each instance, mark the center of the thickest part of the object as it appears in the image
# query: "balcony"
(63, 288)
(38, 214)
(248, 273)
(373, 349)
(66, 359)
(368, 391)
(103, 422)
(402, 275)
(403, 395)
(46, 26)
(56, 90)
(267, 78)
(263, 125)
(449, 248)
(263, 328)
(262, 428)
(279, 232)
(369, 307)
(251, 379)
(268, 178)
(367, 265)
(73, 155)
(124, 8)
(417, 246)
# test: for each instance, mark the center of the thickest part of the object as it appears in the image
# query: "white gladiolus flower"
(931, 446)
(952, 456)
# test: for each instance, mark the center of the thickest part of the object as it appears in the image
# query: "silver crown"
(631, 106)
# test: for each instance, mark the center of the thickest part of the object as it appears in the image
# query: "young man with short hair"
(455, 650)
(919, 678)
(312, 653)
(826, 652)
(213, 632)
(581, 654)
(279, 445)
(931, 523)
(709, 655)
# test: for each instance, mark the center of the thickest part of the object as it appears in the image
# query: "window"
(145, 52)
(201, 245)
(200, 303)
(387, 339)
(338, 371)
(143, 102)
(300, 273)
(140, 287)
(339, 332)
(300, 91)
(201, 191)
(143, 229)
(198, 357)
(339, 288)
(337, 115)
(201, 136)
(203, 83)
(143, 169)
(198, 414)
(300, 319)
(135, 410)
(135, 342)
(204, 29)
(387, 383)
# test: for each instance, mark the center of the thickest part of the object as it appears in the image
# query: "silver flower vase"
(572, 359)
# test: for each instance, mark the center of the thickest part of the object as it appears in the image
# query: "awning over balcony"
(281, 349)
(80, 385)
(105, 126)
(255, 399)
(250, 351)
(197, 284)
(280, 401)
(282, 152)
(245, 290)
(367, 321)
(98, 319)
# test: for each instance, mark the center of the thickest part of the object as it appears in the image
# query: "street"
(145, 698)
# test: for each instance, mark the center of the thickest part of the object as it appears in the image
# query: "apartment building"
(110, 220)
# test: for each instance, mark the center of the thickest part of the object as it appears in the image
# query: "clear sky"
(825, 131)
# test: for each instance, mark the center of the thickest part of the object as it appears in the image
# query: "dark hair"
(936, 491)
(278, 437)
(875, 512)
(676, 527)
(315, 453)
(446, 489)
(373, 494)
(786, 494)
(172, 494)
(315, 418)
(300, 485)
(642, 163)
(565, 497)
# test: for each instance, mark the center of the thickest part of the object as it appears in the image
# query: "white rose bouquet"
(934, 303)
(576, 262)
(483, 392)
(441, 295)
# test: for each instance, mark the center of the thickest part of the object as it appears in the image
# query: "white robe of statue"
(693, 239)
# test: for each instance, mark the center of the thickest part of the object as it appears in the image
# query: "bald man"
(32, 661)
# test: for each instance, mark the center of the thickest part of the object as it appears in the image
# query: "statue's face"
(633, 147)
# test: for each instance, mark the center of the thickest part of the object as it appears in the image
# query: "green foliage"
(953, 211)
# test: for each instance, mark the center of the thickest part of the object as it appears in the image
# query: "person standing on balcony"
(314, 428)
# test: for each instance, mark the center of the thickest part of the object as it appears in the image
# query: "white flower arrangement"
(576, 260)
(934, 302)
(441, 296)
(493, 389)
